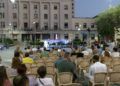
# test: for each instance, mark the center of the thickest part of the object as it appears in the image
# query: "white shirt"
(115, 54)
(96, 68)
(45, 81)
(85, 53)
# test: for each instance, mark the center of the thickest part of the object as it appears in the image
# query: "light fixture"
(13, 1)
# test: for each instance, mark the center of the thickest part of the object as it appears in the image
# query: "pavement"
(7, 55)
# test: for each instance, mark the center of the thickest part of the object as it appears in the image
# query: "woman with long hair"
(4, 81)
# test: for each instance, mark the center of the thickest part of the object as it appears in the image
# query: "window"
(36, 25)
(55, 16)
(55, 26)
(25, 25)
(2, 15)
(24, 6)
(45, 7)
(2, 5)
(92, 36)
(92, 25)
(35, 16)
(66, 25)
(25, 16)
(14, 6)
(66, 36)
(45, 16)
(65, 7)
(85, 25)
(46, 26)
(14, 25)
(2, 24)
(14, 15)
(55, 7)
(66, 16)
(76, 36)
(76, 25)
(35, 7)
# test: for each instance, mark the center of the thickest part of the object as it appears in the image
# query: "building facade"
(39, 19)
(86, 27)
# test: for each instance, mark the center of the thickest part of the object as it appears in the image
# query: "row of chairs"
(106, 79)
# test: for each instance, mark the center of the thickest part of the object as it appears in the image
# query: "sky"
(91, 8)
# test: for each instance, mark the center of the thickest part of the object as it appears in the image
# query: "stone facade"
(40, 19)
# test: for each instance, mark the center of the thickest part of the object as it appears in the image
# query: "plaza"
(59, 43)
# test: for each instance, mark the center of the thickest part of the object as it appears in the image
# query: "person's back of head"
(42, 71)
(21, 79)
(66, 56)
(80, 55)
(26, 54)
(16, 54)
(115, 49)
(3, 75)
(21, 70)
(95, 58)
(106, 53)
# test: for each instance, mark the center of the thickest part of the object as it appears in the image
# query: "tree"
(108, 21)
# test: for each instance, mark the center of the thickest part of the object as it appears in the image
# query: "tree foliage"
(108, 21)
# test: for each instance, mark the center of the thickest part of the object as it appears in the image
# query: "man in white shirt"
(96, 67)
(115, 52)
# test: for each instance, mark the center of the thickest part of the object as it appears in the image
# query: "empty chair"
(116, 68)
(114, 78)
(33, 70)
(99, 79)
(50, 70)
(65, 79)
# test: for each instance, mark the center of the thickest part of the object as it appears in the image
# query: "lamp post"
(34, 23)
(11, 30)
(78, 29)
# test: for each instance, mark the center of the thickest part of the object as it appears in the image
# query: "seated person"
(96, 67)
(21, 79)
(27, 59)
(16, 61)
(61, 57)
(115, 53)
(42, 80)
(67, 66)
(4, 81)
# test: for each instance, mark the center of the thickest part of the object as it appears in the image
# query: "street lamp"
(13, 1)
(79, 29)
(11, 30)
(34, 23)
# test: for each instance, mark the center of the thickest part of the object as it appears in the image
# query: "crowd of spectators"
(64, 61)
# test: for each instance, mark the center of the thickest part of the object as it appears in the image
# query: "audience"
(96, 67)
(16, 61)
(106, 58)
(61, 57)
(27, 59)
(4, 81)
(21, 79)
(67, 66)
(115, 52)
(43, 80)
(63, 61)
